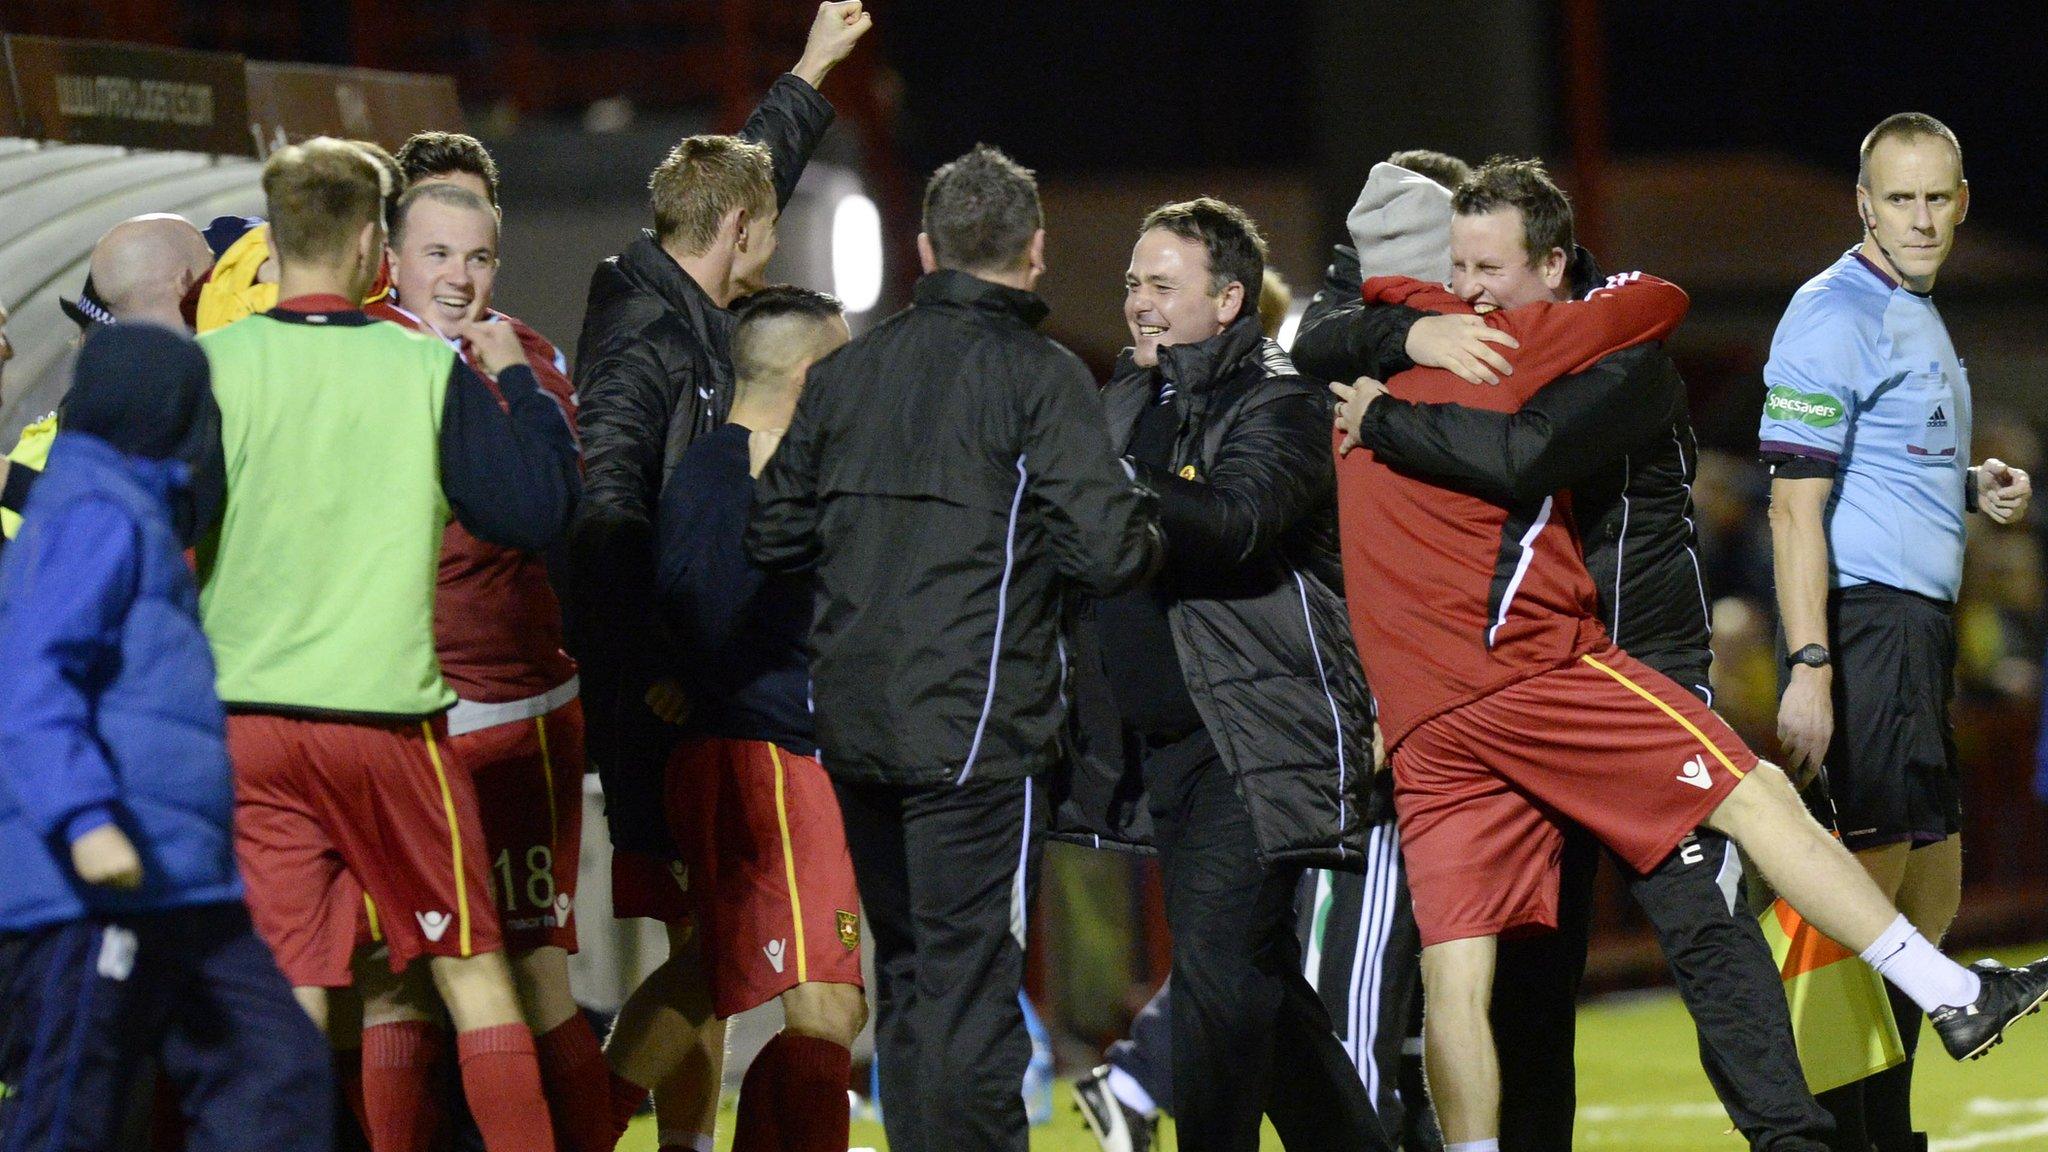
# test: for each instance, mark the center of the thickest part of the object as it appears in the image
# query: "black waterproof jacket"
(1249, 510)
(1618, 435)
(653, 372)
(948, 480)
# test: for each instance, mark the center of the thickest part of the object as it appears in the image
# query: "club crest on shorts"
(563, 906)
(1694, 772)
(681, 872)
(775, 950)
(849, 928)
(434, 924)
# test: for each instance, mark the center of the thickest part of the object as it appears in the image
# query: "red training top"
(1452, 597)
(497, 624)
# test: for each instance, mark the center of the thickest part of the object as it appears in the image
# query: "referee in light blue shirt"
(1866, 427)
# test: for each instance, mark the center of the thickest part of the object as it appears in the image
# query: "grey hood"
(1401, 225)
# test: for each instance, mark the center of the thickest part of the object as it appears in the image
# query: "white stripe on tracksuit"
(1020, 903)
(1382, 893)
(995, 654)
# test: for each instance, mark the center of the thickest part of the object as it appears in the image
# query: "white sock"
(1474, 1146)
(1130, 1093)
(1904, 957)
(694, 1141)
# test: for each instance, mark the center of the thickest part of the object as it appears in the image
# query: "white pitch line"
(1989, 1139)
(1597, 1114)
(1994, 1106)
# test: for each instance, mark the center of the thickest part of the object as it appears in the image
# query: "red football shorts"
(529, 787)
(764, 868)
(325, 811)
(1604, 741)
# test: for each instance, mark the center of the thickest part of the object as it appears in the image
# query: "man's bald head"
(143, 267)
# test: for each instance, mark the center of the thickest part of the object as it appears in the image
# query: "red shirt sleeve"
(1559, 339)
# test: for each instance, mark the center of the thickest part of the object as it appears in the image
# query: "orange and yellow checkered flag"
(1841, 1018)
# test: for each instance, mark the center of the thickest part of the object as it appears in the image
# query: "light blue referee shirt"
(1862, 375)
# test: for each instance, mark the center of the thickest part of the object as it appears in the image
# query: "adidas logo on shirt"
(1939, 418)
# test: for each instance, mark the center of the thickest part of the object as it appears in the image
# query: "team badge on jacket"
(849, 929)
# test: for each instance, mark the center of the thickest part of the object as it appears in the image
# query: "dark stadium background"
(1712, 143)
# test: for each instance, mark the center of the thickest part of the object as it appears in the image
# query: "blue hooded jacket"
(107, 705)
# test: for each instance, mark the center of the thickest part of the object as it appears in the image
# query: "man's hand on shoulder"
(838, 27)
(1462, 345)
(496, 344)
(2003, 491)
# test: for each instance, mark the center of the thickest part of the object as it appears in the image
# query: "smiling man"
(517, 722)
(1242, 708)
(348, 445)
(1618, 436)
(1866, 428)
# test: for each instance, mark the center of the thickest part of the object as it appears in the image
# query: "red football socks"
(762, 1109)
(501, 1080)
(627, 1099)
(402, 1101)
(577, 1082)
(348, 1087)
(793, 1098)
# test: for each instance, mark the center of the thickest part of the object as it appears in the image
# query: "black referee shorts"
(1890, 775)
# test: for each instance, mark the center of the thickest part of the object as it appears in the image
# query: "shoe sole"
(1999, 1036)
(1089, 1118)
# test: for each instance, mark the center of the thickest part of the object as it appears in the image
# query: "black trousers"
(1363, 957)
(91, 1003)
(947, 875)
(1249, 1036)
(1724, 973)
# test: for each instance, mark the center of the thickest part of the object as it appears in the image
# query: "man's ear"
(735, 224)
(1230, 303)
(1035, 254)
(1963, 202)
(925, 256)
(1554, 268)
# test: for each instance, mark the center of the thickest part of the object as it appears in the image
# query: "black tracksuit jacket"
(949, 481)
(1253, 589)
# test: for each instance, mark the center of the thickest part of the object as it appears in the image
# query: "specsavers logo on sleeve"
(1816, 408)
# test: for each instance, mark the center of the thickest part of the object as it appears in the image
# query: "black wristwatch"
(1813, 656)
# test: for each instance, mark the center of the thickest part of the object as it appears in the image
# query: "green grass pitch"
(1641, 1089)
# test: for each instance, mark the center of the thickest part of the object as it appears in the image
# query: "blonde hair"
(1275, 298)
(701, 180)
(319, 194)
